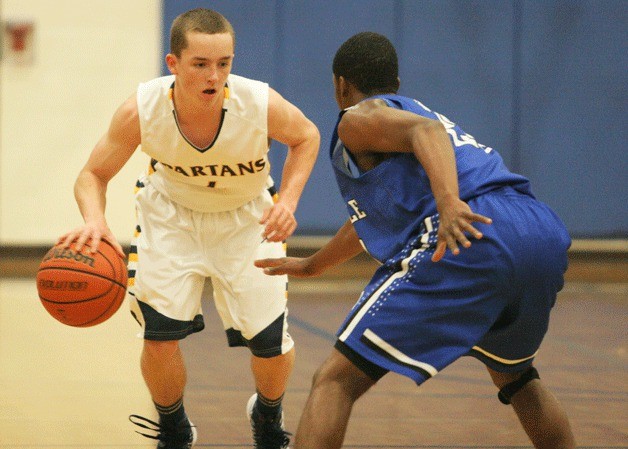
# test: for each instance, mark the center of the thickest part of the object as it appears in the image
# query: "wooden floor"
(62, 387)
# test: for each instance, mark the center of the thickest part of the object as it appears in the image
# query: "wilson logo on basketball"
(46, 284)
(69, 254)
(82, 290)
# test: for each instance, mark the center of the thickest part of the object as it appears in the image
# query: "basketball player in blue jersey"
(206, 209)
(416, 186)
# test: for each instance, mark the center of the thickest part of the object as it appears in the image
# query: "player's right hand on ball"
(90, 236)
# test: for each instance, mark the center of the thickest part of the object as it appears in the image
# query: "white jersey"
(233, 170)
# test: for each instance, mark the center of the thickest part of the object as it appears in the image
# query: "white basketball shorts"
(174, 253)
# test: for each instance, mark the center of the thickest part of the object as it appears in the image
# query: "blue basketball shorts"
(492, 301)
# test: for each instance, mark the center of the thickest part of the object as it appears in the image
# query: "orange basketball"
(82, 289)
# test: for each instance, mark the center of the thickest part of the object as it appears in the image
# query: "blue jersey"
(388, 204)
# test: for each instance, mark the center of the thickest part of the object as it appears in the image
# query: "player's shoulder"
(126, 116)
(366, 106)
(237, 83)
(159, 84)
(129, 106)
(154, 97)
(361, 112)
(247, 98)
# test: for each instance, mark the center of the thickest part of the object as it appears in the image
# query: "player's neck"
(191, 109)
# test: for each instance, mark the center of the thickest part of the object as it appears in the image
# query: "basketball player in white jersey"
(206, 209)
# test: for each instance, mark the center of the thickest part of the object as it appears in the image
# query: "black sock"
(172, 415)
(268, 407)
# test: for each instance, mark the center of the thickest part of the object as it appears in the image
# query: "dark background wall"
(543, 83)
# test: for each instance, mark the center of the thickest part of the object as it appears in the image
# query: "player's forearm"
(343, 246)
(90, 194)
(297, 169)
(436, 155)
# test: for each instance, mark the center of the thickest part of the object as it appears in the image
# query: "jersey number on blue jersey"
(462, 138)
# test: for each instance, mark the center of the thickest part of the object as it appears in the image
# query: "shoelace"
(271, 436)
(167, 436)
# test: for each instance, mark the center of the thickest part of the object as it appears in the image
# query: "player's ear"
(171, 62)
(343, 87)
(341, 91)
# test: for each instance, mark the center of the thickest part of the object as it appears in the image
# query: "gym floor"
(63, 387)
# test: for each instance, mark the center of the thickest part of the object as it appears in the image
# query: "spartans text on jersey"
(239, 169)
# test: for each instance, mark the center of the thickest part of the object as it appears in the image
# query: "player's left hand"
(455, 221)
(279, 223)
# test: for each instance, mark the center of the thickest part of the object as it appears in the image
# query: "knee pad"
(509, 390)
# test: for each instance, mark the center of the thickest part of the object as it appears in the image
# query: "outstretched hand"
(292, 266)
(455, 220)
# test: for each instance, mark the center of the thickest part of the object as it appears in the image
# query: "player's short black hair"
(368, 60)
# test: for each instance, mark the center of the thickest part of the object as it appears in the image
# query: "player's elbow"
(434, 129)
(310, 142)
(313, 135)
